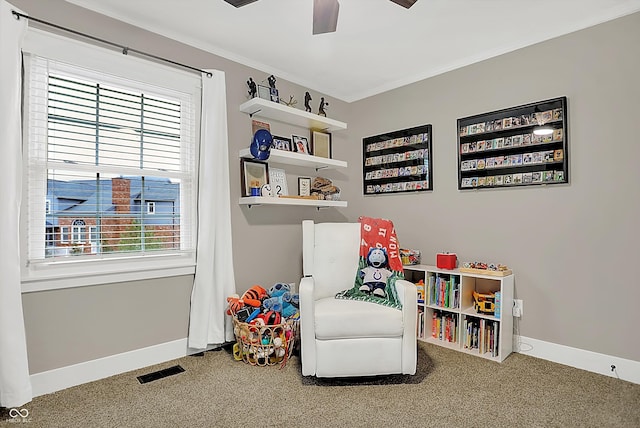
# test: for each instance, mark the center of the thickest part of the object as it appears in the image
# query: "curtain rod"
(125, 49)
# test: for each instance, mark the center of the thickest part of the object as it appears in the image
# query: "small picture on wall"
(300, 144)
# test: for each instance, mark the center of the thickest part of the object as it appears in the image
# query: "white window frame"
(64, 235)
(78, 234)
(151, 207)
(82, 271)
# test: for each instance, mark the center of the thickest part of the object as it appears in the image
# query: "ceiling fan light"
(543, 130)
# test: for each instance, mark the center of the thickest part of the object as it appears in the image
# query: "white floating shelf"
(282, 113)
(268, 200)
(298, 159)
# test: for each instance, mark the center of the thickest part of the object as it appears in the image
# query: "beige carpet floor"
(450, 389)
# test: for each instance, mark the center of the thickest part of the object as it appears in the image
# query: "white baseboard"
(88, 371)
(628, 370)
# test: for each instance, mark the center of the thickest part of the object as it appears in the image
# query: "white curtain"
(15, 386)
(214, 278)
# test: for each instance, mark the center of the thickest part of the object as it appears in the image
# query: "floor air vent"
(150, 377)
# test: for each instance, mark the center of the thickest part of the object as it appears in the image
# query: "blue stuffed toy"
(281, 300)
(374, 276)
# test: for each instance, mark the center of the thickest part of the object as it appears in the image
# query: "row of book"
(444, 291)
(444, 326)
(420, 322)
(481, 334)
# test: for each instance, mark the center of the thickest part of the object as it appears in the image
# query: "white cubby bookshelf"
(457, 311)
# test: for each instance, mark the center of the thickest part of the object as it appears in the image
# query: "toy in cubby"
(265, 324)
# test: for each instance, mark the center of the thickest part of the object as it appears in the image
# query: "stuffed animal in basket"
(234, 304)
(281, 300)
(374, 276)
(254, 296)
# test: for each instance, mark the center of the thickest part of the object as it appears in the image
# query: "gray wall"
(566, 243)
(570, 246)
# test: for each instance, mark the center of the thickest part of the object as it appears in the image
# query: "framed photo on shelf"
(257, 124)
(282, 143)
(254, 173)
(304, 186)
(264, 92)
(321, 144)
(300, 144)
(278, 182)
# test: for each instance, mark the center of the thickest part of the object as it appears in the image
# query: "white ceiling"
(378, 45)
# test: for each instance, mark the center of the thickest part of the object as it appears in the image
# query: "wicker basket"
(264, 345)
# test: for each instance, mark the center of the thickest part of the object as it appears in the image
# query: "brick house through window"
(94, 216)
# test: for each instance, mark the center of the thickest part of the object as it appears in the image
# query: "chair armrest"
(307, 326)
(408, 295)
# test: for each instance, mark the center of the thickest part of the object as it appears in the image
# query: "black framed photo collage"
(513, 147)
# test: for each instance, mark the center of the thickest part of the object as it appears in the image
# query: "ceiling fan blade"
(239, 3)
(325, 16)
(405, 3)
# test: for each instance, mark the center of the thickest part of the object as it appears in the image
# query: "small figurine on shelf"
(321, 111)
(273, 92)
(272, 81)
(252, 87)
(307, 98)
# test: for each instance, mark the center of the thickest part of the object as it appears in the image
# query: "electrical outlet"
(517, 308)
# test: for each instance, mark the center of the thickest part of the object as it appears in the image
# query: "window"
(100, 146)
(64, 234)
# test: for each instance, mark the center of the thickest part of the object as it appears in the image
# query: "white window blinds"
(102, 150)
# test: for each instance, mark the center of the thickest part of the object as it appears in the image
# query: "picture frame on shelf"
(321, 144)
(258, 124)
(254, 174)
(273, 95)
(304, 186)
(300, 144)
(264, 92)
(278, 182)
(282, 143)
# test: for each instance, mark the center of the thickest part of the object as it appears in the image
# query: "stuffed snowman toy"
(374, 276)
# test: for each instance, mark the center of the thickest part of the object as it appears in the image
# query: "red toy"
(446, 260)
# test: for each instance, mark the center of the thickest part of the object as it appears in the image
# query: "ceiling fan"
(325, 12)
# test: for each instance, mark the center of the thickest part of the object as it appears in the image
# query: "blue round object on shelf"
(261, 144)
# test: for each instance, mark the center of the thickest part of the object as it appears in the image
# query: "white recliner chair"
(348, 338)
